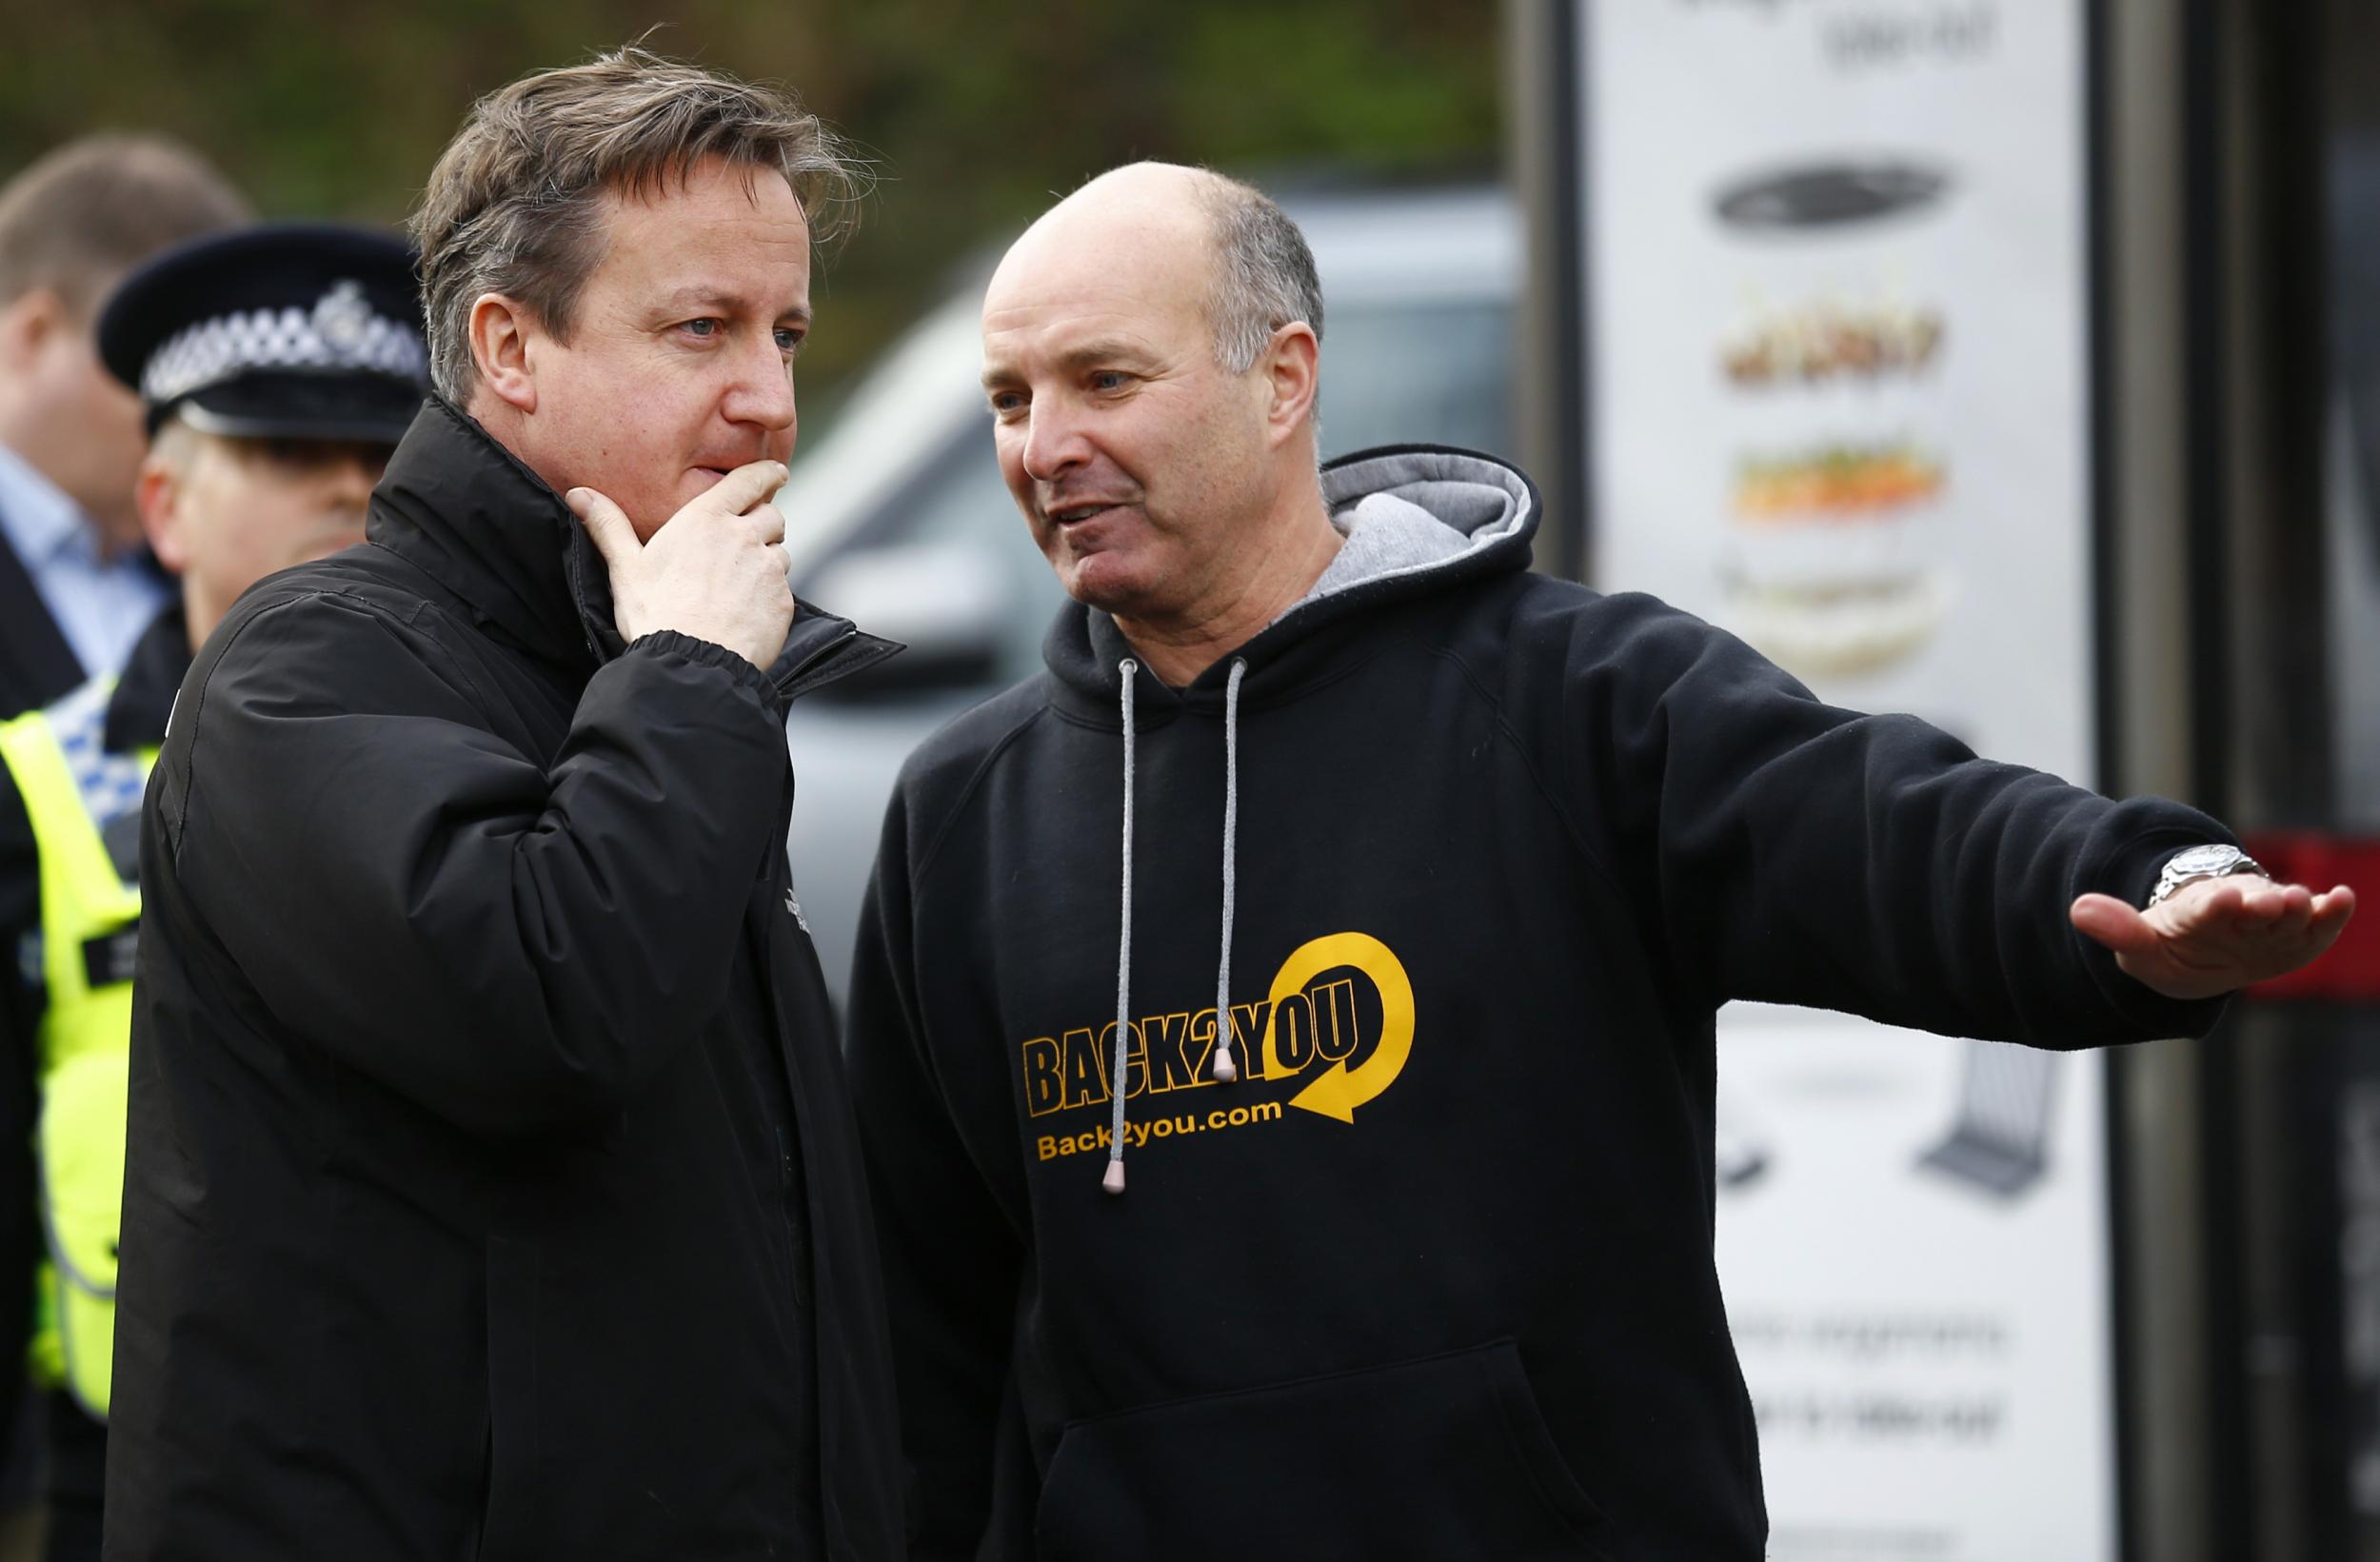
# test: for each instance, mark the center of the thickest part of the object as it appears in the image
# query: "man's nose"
(1054, 441)
(763, 392)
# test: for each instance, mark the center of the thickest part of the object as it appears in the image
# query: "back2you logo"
(1333, 1032)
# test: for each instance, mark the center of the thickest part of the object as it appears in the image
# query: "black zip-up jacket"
(493, 1188)
(1433, 1278)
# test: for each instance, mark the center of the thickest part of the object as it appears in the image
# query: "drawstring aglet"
(1114, 1180)
(1225, 1069)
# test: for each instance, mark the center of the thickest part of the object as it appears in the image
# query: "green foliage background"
(973, 113)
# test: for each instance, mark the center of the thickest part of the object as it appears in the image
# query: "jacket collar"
(153, 676)
(469, 513)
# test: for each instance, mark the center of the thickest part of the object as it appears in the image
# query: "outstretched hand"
(2216, 936)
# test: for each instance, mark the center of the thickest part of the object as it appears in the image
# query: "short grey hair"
(1264, 275)
(516, 203)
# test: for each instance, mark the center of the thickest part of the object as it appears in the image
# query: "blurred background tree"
(973, 114)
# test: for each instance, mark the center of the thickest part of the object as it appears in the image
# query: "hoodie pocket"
(1443, 1459)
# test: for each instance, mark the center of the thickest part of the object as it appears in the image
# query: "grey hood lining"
(1423, 519)
(1407, 513)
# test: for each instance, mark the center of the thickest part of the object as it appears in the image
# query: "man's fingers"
(2252, 907)
(607, 524)
(2261, 927)
(745, 487)
(2219, 934)
(2325, 918)
(2280, 902)
(769, 519)
(2213, 900)
(2335, 905)
(2241, 902)
(2113, 922)
(2257, 900)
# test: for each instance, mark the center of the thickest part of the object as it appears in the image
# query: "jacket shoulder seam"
(427, 607)
(346, 601)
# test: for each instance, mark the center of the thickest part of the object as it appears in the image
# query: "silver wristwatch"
(2192, 863)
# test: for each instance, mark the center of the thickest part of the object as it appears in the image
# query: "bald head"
(1144, 191)
(1221, 241)
(1154, 410)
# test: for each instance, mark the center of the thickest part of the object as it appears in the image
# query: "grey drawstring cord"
(1114, 1180)
(1225, 1069)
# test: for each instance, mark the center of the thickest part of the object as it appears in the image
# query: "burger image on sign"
(1826, 559)
(1831, 507)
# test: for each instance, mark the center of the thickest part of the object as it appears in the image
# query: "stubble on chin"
(1094, 582)
(1087, 588)
(1135, 595)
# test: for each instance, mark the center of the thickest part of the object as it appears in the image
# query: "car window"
(1407, 373)
(960, 498)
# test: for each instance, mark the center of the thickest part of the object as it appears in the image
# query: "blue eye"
(789, 339)
(701, 327)
(1108, 379)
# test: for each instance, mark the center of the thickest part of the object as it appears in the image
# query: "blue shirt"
(100, 605)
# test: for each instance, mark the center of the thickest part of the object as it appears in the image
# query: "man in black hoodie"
(493, 1188)
(1426, 876)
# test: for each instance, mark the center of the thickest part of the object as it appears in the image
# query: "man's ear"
(501, 337)
(1292, 368)
(27, 323)
(159, 493)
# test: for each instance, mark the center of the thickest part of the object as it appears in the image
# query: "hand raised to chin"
(714, 570)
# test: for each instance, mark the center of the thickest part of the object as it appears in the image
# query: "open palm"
(2217, 934)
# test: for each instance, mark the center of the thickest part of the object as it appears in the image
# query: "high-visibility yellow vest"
(73, 791)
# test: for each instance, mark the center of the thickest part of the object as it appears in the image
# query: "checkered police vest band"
(342, 331)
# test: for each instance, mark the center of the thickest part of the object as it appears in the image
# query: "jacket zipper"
(784, 681)
(791, 1193)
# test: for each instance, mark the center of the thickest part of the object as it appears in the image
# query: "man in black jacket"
(1426, 876)
(493, 1188)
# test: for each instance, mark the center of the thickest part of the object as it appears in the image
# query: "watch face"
(2202, 859)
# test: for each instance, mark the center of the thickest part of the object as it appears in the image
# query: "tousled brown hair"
(516, 203)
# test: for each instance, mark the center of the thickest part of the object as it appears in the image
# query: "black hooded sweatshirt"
(1483, 852)
(493, 1188)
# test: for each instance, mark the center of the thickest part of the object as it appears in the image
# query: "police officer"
(278, 366)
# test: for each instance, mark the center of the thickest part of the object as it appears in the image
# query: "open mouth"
(1067, 515)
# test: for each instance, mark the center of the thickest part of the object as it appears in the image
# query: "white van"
(898, 518)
